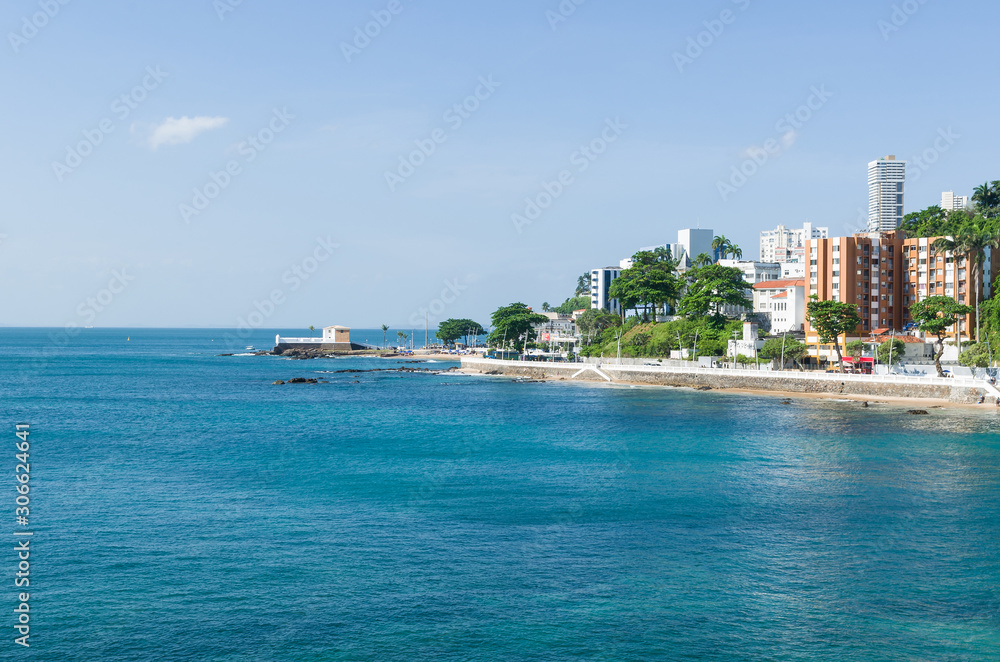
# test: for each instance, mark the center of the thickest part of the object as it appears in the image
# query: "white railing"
(766, 374)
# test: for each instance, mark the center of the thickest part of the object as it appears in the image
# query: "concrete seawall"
(955, 390)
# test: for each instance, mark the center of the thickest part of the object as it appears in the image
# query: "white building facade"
(886, 183)
(952, 202)
(600, 286)
(783, 303)
(788, 245)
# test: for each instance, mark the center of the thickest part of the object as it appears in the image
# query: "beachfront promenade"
(963, 390)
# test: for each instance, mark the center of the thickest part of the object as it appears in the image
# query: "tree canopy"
(651, 282)
(890, 352)
(830, 320)
(712, 287)
(513, 325)
(787, 346)
(935, 315)
(451, 330)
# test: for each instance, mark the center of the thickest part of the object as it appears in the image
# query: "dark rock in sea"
(918, 412)
(279, 383)
(303, 380)
(704, 388)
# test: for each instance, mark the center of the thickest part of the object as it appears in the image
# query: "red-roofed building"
(781, 304)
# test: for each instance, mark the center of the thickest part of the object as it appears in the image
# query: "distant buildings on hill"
(880, 270)
(952, 202)
(788, 245)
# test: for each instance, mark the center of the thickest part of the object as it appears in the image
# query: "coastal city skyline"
(524, 330)
(313, 181)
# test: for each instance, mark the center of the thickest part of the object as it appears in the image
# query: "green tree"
(930, 222)
(890, 352)
(651, 282)
(936, 315)
(513, 326)
(451, 330)
(583, 285)
(594, 321)
(702, 260)
(831, 319)
(546, 307)
(987, 199)
(976, 356)
(787, 347)
(855, 349)
(736, 251)
(312, 330)
(569, 305)
(722, 246)
(712, 287)
(972, 240)
(385, 327)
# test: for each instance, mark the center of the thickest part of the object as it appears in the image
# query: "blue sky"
(892, 81)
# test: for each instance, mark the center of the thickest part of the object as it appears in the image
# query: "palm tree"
(722, 246)
(703, 260)
(972, 240)
(736, 251)
(546, 307)
(385, 327)
(311, 330)
(987, 198)
(400, 335)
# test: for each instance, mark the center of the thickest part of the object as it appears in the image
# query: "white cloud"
(176, 131)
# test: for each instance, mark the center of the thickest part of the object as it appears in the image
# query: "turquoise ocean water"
(185, 508)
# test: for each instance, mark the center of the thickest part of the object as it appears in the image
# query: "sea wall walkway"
(955, 389)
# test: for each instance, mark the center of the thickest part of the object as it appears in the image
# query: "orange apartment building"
(884, 274)
(929, 273)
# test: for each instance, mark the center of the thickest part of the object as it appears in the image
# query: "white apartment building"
(788, 245)
(886, 179)
(783, 303)
(952, 202)
(600, 286)
(753, 273)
